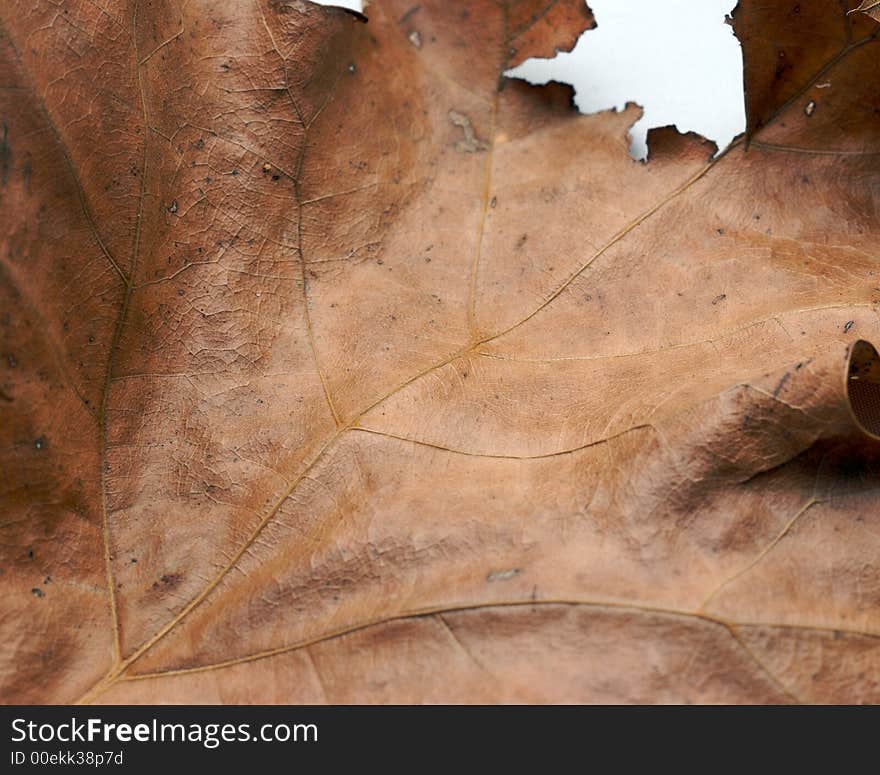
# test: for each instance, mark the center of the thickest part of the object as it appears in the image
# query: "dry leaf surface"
(869, 7)
(337, 367)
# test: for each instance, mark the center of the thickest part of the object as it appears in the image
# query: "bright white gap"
(354, 5)
(677, 59)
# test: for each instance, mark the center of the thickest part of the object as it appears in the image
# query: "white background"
(677, 59)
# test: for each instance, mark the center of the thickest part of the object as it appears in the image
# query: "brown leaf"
(869, 7)
(337, 367)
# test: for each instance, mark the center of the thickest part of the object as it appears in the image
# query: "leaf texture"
(338, 367)
(869, 7)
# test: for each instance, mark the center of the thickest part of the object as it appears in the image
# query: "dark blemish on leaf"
(781, 67)
(40, 443)
(521, 241)
(172, 208)
(133, 560)
(47, 580)
(5, 154)
(778, 389)
(493, 201)
(167, 581)
(403, 19)
(719, 298)
(848, 325)
(30, 554)
(37, 592)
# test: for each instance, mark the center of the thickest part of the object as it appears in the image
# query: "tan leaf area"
(869, 7)
(338, 367)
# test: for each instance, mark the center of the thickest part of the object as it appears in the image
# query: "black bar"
(391, 739)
